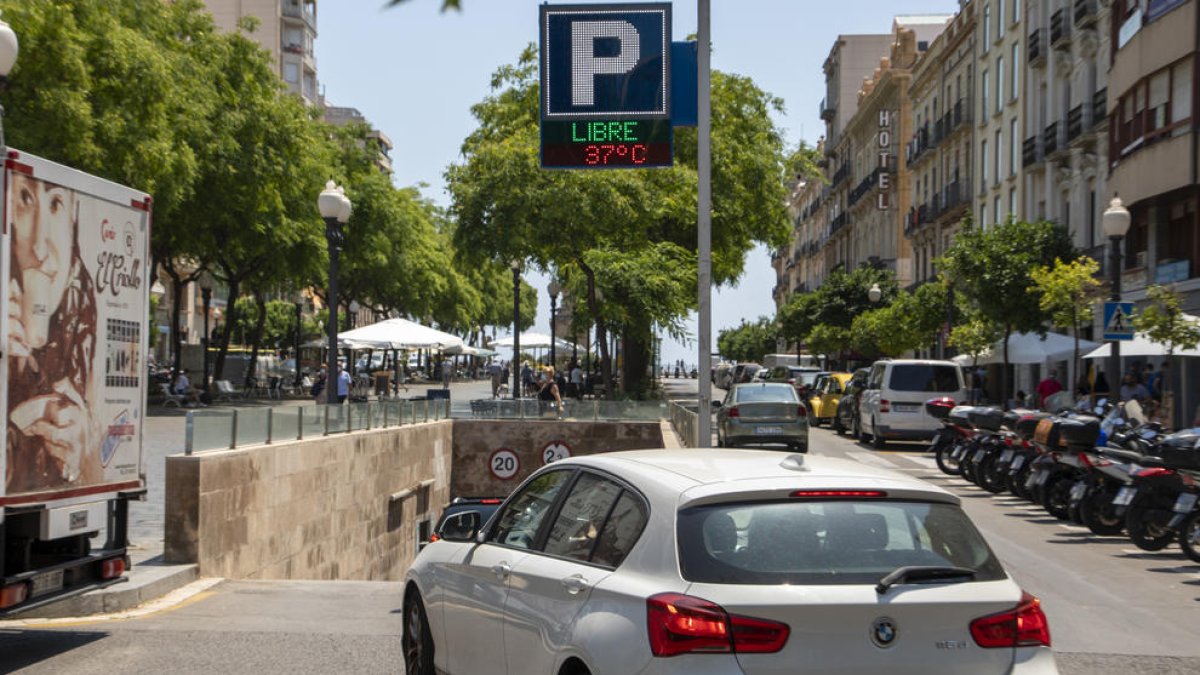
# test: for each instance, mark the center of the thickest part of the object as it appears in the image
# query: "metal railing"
(231, 428)
(685, 422)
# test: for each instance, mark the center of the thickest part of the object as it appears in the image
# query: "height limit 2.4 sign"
(605, 86)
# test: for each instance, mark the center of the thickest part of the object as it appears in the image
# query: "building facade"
(999, 81)
(1065, 141)
(287, 29)
(939, 152)
(378, 140)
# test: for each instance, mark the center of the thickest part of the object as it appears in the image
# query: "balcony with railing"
(919, 144)
(838, 223)
(1031, 151)
(1037, 53)
(301, 9)
(1060, 29)
(1075, 126)
(1050, 138)
(840, 175)
(864, 186)
(1100, 107)
(827, 110)
(1085, 13)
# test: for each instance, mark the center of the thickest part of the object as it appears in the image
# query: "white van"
(893, 403)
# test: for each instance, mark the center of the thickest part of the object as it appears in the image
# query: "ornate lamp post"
(553, 288)
(516, 360)
(335, 209)
(1116, 223)
(296, 353)
(8, 57)
(206, 298)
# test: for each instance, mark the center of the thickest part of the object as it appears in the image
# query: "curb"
(148, 581)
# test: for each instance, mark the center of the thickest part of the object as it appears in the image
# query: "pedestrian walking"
(495, 372)
(447, 371)
(343, 384)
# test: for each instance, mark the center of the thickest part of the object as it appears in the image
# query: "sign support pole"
(704, 220)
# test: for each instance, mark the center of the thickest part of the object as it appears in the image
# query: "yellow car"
(827, 391)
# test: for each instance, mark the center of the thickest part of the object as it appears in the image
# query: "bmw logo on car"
(883, 632)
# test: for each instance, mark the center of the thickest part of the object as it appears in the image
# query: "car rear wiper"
(922, 573)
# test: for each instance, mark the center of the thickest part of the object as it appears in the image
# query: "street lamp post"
(554, 289)
(335, 209)
(516, 359)
(296, 352)
(8, 57)
(1116, 223)
(206, 298)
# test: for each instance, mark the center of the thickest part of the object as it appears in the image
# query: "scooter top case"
(960, 416)
(1027, 424)
(1079, 433)
(988, 419)
(1181, 450)
(940, 407)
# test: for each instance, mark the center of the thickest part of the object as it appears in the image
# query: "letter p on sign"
(606, 61)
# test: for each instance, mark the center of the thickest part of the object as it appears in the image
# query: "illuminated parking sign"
(605, 85)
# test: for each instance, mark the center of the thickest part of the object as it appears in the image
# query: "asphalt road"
(1112, 608)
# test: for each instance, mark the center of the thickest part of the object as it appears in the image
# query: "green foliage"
(280, 327)
(911, 321)
(802, 163)
(1067, 291)
(974, 336)
(749, 341)
(1164, 322)
(841, 298)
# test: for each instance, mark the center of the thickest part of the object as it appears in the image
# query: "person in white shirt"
(575, 388)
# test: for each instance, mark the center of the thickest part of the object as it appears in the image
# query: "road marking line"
(923, 460)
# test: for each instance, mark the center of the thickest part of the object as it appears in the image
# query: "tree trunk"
(260, 303)
(178, 281)
(230, 320)
(601, 333)
(637, 349)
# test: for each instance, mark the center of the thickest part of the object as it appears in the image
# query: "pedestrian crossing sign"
(1118, 321)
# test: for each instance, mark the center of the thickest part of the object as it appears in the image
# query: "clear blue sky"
(415, 71)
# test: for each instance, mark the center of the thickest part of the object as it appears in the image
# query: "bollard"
(233, 430)
(300, 423)
(270, 423)
(188, 434)
(327, 407)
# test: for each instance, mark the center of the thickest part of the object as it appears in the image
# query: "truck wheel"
(416, 640)
(878, 442)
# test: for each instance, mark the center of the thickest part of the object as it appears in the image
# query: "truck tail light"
(1023, 626)
(734, 412)
(801, 411)
(885, 405)
(112, 568)
(10, 596)
(681, 624)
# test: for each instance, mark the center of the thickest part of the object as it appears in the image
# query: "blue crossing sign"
(1118, 321)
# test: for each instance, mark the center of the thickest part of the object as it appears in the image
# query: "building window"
(999, 155)
(996, 209)
(987, 27)
(1017, 11)
(1015, 63)
(983, 165)
(983, 95)
(983, 219)
(999, 83)
(1012, 147)
(1012, 201)
(291, 73)
(1156, 107)
(1000, 18)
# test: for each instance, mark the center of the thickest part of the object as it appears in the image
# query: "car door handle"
(574, 583)
(501, 570)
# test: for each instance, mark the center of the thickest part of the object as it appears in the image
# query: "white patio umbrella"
(468, 350)
(1024, 348)
(533, 340)
(397, 334)
(1141, 345)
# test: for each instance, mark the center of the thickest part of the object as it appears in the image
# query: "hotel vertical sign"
(884, 141)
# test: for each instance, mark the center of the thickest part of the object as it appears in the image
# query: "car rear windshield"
(924, 377)
(826, 542)
(766, 393)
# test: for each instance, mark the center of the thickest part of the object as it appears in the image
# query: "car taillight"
(112, 568)
(13, 595)
(733, 412)
(1024, 626)
(434, 537)
(800, 411)
(836, 494)
(1152, 472)
(490, 501)
(681, 624)
(885, 405)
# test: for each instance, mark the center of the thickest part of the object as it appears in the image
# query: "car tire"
(837, 425)
(416, 641)
(858, 434)
(878, 442)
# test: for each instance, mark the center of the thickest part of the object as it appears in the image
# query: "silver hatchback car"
(719, 562)
(762, 412)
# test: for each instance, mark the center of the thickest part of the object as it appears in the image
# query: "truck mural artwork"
(76, 251)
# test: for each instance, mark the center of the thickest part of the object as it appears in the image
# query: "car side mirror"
(716, 404)
(462, 526)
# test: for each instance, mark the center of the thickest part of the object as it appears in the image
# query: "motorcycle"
(1164, 491)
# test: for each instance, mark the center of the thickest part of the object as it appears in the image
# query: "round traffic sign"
(554, 451)
(504, 464)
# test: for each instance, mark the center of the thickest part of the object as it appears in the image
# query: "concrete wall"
(352, 506)
(476, 440)
(313, 509)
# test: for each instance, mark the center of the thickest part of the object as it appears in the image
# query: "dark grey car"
(762, 412)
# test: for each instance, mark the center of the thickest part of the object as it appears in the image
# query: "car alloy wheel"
(417, 642)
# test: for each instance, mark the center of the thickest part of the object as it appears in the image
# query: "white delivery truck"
(74, 262)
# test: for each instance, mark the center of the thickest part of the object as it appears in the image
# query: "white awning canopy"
(1024, 348)
(397, 334)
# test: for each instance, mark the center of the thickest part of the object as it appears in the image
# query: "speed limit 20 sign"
(504, 464)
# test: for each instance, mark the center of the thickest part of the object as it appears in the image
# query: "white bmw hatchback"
(718, 562)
